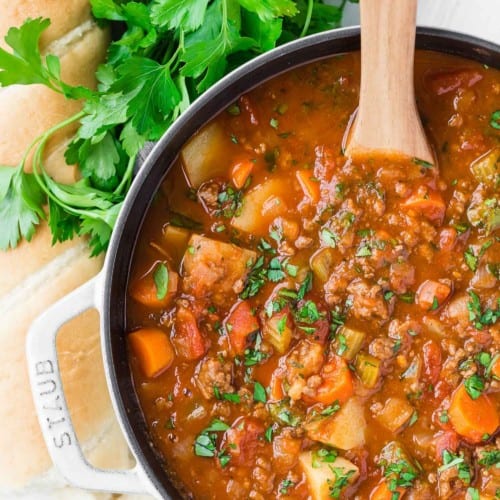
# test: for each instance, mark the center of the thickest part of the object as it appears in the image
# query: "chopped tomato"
(243, 440)
(445, 440)
(432, 361)
(188, 340)
(239, 325)
(426, 202)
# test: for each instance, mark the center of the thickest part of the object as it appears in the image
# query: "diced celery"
(353, 341)
(324, 476)
(322, 263)
(368, 369)
(278, 332)
(486, 168)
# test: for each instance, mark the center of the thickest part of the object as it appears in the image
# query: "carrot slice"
(495, 369)
(241, 172)
(309, 184)
(432, 294)
(239, 325)
(426, 202)
(188, 340)
(145, 291)
(382, 492)
(472, 418)
(276, 392)
(337, 382)
(153, 349)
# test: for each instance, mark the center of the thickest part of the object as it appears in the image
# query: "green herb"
(461, 227)
(234, 109)
(342, 344)
(435, 304)
(169, 53)
(337, 319)
(308, 313)
(495, 119)
(473, 494)
(323, 455)
(443, 417)
(477, 316)
(364, 251)
(205, 442)
(269, 434)
(474, 385)
(329, 238)
(490, 458)
(179, 220)
(232, 398)
(330, 410)
(288, 418)
(400, 474)
(413, 419)
(275, 271)
(305, 286)
(422, 163)
(274, 123)
(388, 295)
(255, 356)
(160, 278)
(224, 458)
(285, 485)
(282, 324)
(341, 480)
(470, 259)
(484, 358)
(255, 279)
(229, 202)
(451, 460)
(259, 393)
(494, 359)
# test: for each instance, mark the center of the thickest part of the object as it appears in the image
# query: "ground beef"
(401, 276)
(208, 195)
(337, 283)
(367, 300)
(382, 348)
(212, 373)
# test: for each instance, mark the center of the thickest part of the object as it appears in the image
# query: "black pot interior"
(157, 165)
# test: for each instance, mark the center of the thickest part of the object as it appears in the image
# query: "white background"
(480, 18)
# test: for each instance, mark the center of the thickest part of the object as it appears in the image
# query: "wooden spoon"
(387, 121)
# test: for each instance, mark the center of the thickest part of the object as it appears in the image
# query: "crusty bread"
(35, 275)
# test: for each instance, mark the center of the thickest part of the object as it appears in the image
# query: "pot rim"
(158, 163)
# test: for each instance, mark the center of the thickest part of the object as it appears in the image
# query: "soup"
(302, 326)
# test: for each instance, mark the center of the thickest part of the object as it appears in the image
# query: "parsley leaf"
(474, 385)
(259, 393)
(160, 278)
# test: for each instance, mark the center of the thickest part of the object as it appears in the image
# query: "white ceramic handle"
(50, 403)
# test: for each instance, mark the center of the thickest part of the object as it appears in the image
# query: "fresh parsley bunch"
(170, 52)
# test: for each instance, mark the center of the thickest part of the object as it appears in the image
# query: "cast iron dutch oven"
(107, 292)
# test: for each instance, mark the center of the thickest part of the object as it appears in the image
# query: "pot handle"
(50, 402)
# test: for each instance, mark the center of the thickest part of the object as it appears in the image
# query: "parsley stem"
(307, 22)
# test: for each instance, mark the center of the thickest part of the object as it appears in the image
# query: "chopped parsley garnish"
(229, 202)
(490, 458)
(255, 280)
(259, 393)
(495, 119)
(205, 443)
(275, 272)
(443, 417)
(284, 485)
(160, 278)
(224, 458)
(471, 259)
(288, 418)
(274, 123)
(232, 398)
(324, 455)
(337, 319)
(474, 385)
(268, 435)
(329, 238)
(408, 297)
(336, 486)
(305, 286)
(400, 474)
(179, 220)
(308, 313)
(477, 316)
(330, 410)
(254, 357)
(451, 460)
(435, 304)
(364, 251)
(342, 344)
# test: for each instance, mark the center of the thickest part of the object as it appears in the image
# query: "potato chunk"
(326, 477)
(214, 270)
(261, 205)
(345, 430)
(395, 414)
(200, 156)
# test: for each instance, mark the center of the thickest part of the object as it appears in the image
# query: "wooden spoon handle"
(387, 119)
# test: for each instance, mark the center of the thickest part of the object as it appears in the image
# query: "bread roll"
(35, 275)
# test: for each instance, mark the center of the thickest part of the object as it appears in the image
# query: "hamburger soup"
(302, 326)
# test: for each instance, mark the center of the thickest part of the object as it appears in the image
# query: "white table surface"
(480, 18)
